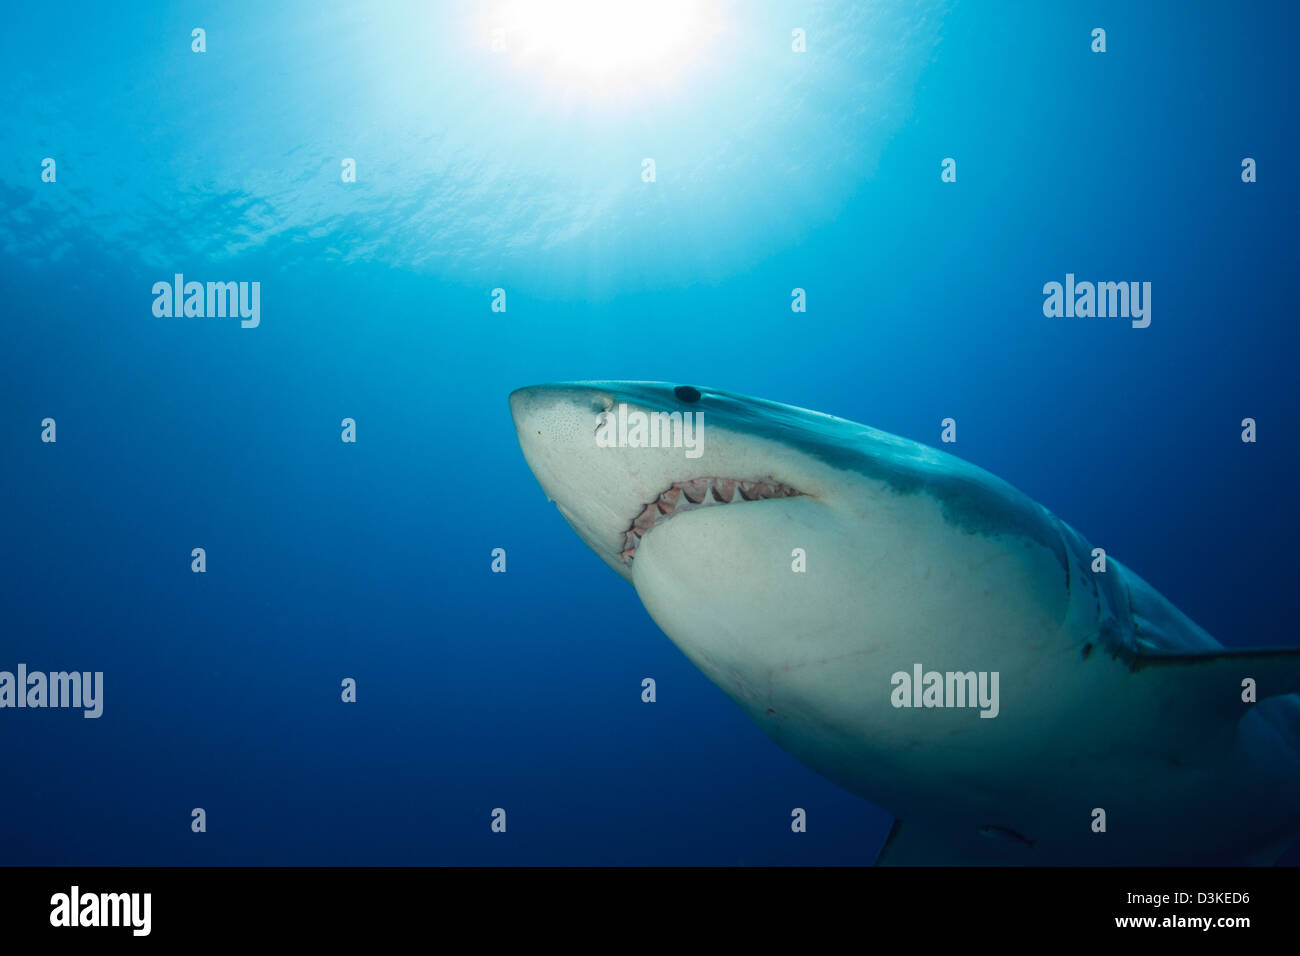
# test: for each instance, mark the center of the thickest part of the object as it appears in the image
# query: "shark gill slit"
(696, 493)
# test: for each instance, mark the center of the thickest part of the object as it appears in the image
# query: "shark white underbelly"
(924, 635)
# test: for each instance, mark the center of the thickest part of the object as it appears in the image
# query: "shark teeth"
(699, 493)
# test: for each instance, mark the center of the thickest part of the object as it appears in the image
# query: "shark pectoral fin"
(1225, 683)
(913, 844)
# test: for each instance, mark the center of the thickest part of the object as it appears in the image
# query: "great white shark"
(804, 562)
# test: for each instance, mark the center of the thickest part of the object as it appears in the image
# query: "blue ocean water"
(480, 170)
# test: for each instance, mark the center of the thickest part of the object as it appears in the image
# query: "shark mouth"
(699, 493)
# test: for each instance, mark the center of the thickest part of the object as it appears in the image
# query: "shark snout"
(545, 400)
(597, 492)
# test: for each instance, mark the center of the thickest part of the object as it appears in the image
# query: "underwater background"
(479, 170)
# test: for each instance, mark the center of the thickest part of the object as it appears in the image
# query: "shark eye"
(686, 393)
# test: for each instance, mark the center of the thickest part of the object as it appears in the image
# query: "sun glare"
(604, 46)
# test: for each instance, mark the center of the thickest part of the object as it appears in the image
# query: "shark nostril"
(686, 393)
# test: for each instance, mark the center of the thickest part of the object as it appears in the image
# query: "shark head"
(759, 535)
